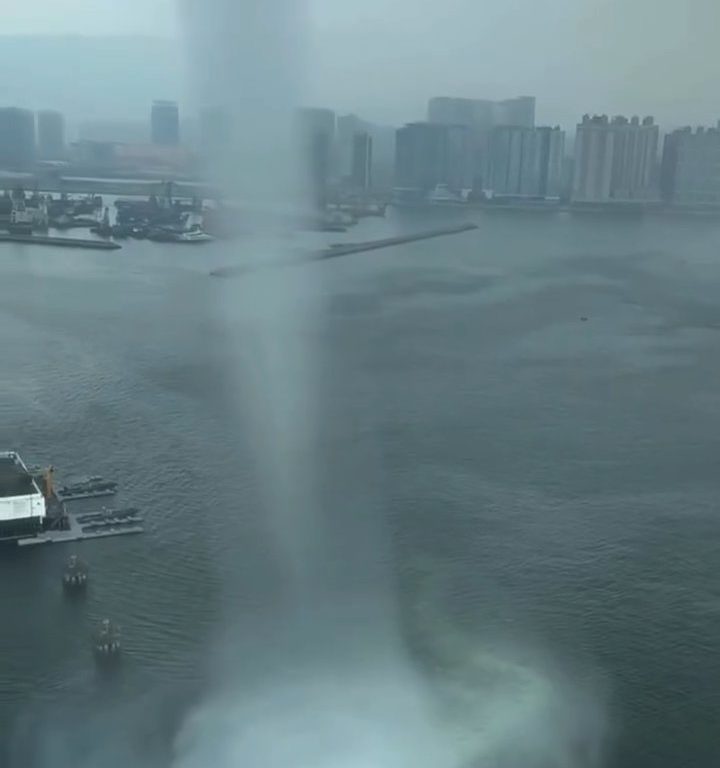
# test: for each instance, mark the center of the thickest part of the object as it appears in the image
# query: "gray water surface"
(531, 498)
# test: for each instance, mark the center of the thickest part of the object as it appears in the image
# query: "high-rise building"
(615, 160)
(165, 123)
(17, 139)
(362, 161)
(482, 113)
(525, 162)
(552, 162)
(690, 173)
(51, 135)
(316, 128)
(594, 147)
(428, 154)
(348, 126)
(635, 154)
(480, 117)
(472, 113)
(518, 111)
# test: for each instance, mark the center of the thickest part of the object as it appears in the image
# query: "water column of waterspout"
(246, 64)
(297, 686)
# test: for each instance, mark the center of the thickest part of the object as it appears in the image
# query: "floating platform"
(61, 242)
(105, 526)
(98, 494)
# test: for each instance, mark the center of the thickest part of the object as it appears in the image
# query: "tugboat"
(106, 642)
(75, 575)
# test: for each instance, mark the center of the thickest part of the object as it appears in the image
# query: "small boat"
(75, 575)
(106, 641)
(194, 235)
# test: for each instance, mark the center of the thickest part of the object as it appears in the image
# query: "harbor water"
(514, 454)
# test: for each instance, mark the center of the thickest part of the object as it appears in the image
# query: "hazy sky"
(384, 58)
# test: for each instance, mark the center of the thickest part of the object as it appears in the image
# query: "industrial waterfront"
(536, 494)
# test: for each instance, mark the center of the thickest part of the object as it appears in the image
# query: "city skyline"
(487, 149)
(574, 57)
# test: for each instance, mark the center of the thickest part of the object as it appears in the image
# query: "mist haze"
(366, 571)
(385, 60)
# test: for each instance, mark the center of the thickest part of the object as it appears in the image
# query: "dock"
(79, 528)
(60, 242)
(338, 250)
(32, 512)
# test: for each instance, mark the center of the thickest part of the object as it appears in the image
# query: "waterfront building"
(316, 129)
(165, 123)
(482, 113)
(615, 160)
(17, 139)
(51, 135)
(690, 172)
(429, 154)
(525, 162)
(362, 161)
(480, 117)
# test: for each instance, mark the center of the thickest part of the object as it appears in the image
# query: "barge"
(32, 512)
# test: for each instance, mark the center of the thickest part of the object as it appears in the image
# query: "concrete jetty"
(61, 242)
(346, 249)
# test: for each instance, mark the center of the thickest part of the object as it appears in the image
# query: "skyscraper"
(17, 139)
(51, 135)
(615, 159)
(348, 126)
(472, 113)
(690, 173)
(480, 117)
(362, 161)
(482, 113)
(634, 158)
(552, 161)
(316, 128)
(594, 146)
(526, 162)
(428, 154)
(165, 123)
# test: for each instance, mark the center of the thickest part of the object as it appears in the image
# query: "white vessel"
(194, 235)
(22, 503)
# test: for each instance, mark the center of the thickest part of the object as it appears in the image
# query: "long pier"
(61, 242)
(347, 249)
